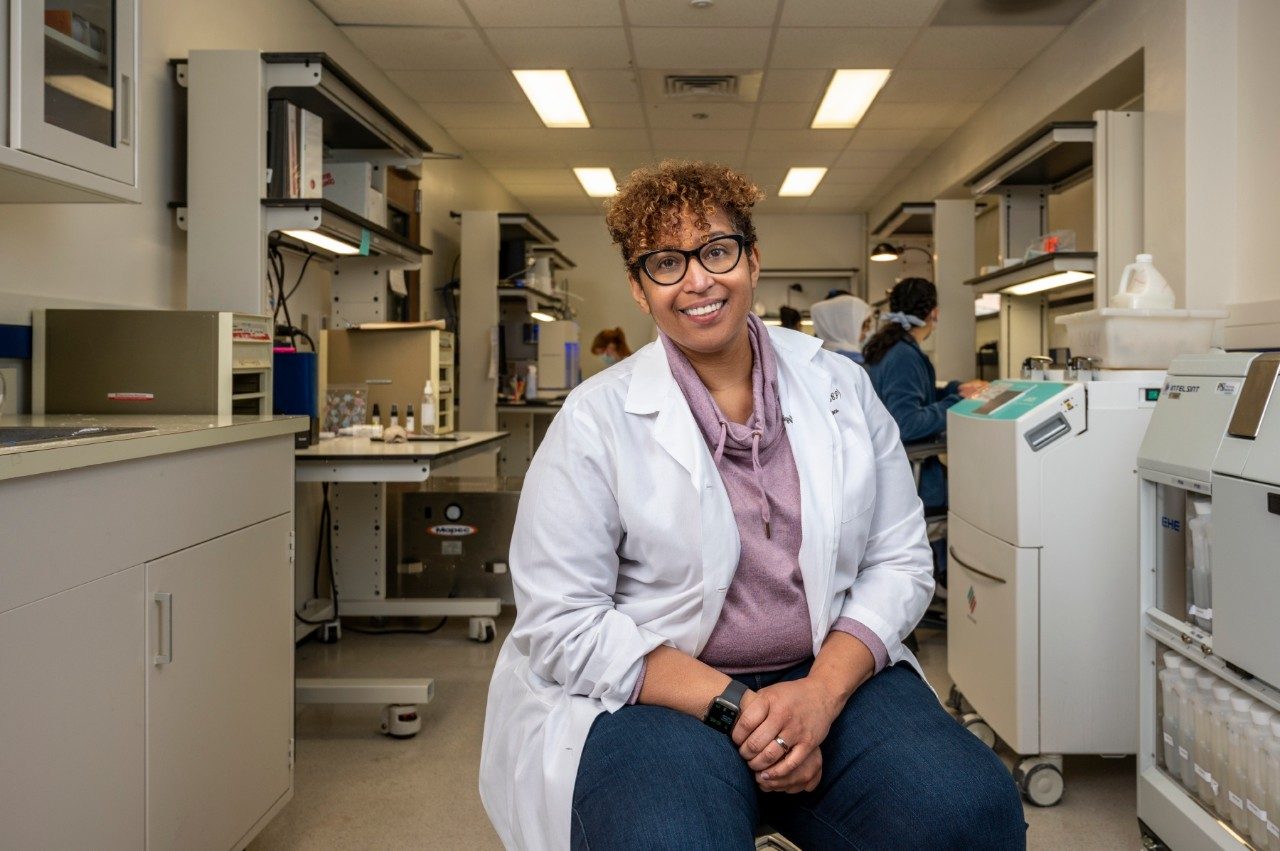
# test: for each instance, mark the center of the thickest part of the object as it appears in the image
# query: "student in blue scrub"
(906, 382)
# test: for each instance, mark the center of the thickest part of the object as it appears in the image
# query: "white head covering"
(838, 322)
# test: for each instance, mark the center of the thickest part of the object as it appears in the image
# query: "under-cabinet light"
(800, 182)
(319, 240)
(542, 316)
(1048, 282)
(848, 97)
(83, 88)
(553, 97)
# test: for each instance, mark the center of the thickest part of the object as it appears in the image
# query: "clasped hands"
(800, 712)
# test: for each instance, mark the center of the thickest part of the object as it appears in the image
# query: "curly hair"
(650, 203)
(912, 296)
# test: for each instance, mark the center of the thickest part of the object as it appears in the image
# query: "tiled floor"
(355, 788)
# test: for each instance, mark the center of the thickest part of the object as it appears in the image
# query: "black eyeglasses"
(668, 266)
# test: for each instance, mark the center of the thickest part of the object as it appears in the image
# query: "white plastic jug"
(1142, 286)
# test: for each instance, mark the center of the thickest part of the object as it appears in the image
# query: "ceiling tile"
(679, 116)
(758, 159)
(730, 159)
(582, 47)
(846, 176)
(700, 48)
(535, 177)
(840, 47)
(687, 140)
(817, 206)
(800, 141)
(606, 86)
(509, 158)
(434, 13)
(966, 12)
(458, 86)
(613, 116)
(541, 13)
(885, 140)
(863, 13)
(859, 159)
(900, 116)
(513, 116)
(785, 116)
(738, 13)
(623, 162)
(917, 85)
(423, 48)
(978, 47)
(785, 85)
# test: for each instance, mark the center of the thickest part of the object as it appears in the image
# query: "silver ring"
(782, 744)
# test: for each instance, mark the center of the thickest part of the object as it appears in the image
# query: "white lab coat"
(625, 540)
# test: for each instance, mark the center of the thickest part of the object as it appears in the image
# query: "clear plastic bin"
(1125, 338)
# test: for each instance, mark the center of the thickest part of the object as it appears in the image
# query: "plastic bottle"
(410, 425)
(1222, 694)
(1255, 801)
(395, 417)
(1199, 540)
(1203, 754)
(531, 384)
(376, 416)
(1186, 689)
(428, 409)
(1238, 724)
(1142, 287)
(1273, 786)
(1169, 718)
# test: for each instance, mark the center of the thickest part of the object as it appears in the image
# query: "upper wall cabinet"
(69, 76)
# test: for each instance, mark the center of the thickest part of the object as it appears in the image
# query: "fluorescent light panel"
(1049, 282)
(83, 88)
(599, 182)
(848, 96)
(319, 240)
(800, 182)
(553, 96)
(542, 316)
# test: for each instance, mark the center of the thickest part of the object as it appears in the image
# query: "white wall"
(786, 242)
(134, 255)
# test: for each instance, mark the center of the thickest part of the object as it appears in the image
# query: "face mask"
(609, 360)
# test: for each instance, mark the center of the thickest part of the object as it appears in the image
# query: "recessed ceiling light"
(553, 96)
(599, 182)
(801, 182)
(848, 96)
(700, 4)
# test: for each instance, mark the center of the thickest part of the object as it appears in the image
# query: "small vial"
(376, 416)
(409, 425)
(395, 417)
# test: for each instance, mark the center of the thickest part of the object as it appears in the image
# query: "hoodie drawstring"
(755, 465)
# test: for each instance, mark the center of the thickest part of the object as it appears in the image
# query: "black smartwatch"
(722, 714)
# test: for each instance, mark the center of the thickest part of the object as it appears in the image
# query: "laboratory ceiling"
(455, 57)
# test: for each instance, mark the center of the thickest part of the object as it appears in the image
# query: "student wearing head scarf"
(842, 323)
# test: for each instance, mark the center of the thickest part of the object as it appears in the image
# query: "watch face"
(722, 715)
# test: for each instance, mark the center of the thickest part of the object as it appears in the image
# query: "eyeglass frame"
(691, 254)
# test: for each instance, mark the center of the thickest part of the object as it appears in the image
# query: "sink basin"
(22, 435)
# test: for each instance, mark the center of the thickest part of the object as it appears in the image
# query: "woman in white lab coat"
(718, 552)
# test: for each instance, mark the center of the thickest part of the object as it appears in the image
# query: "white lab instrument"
(1041, 633)
(1202, 426)
(558, 370)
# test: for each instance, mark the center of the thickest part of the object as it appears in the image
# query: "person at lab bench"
(610, 345)
(905, 381)
(717, 554)
(842, 323)
(789, 317)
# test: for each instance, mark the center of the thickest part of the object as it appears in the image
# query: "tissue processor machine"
(1042, 631)
(1197, 448)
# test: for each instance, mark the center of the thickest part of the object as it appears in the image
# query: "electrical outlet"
(13, 390)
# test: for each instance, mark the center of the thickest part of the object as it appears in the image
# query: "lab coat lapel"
(653, 391)
(809, 409)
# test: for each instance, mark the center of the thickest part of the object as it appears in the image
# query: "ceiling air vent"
(701, 86)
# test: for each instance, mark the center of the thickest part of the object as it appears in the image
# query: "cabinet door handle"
(124, 115)
(164, 656)
(973, 569)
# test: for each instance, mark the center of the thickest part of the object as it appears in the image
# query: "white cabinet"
(219, 687)
(70, 127)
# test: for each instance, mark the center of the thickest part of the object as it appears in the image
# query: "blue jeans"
(898, 773)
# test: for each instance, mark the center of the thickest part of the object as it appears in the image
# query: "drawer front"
(993, 631)
(1246, 575)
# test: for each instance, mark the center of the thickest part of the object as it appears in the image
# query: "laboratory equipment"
(558, 361)
(1201, 532)
(151, 362)
(1041, 632)
(395, 361)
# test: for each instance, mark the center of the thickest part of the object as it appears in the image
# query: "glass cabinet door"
(77, 71)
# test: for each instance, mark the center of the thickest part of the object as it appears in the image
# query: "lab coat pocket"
(858, 487)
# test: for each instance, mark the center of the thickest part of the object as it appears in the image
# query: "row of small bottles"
(1224, 747)
(428, 422)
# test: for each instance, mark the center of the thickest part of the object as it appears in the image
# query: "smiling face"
(705, 313)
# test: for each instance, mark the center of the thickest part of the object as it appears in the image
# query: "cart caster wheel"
(331, 632)
(482, 630)
(974, 724)
(1041, 782)
(954, 698)
(401, 721)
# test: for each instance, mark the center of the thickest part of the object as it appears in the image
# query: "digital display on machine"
(997, 402)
